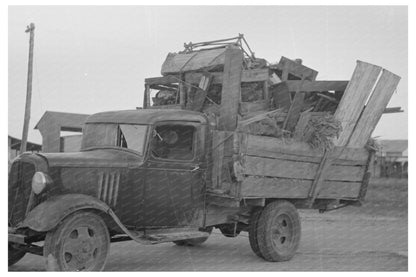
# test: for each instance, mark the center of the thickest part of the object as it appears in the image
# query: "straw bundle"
(320, 131)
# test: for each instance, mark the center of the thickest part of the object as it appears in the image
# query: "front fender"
(48, 214)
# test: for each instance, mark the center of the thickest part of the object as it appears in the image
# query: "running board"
(159, 236)
(154, 236)
(165, 235)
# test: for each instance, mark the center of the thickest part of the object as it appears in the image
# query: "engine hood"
(93, 158)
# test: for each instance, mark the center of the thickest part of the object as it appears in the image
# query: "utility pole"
(29, 29)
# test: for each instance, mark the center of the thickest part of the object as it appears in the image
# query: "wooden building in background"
(52, 124)
(391, 159)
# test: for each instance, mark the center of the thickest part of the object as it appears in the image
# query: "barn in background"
(391, 159)
(52, 124)
(14, 148)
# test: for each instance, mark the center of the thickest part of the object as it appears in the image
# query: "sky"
(90, 59)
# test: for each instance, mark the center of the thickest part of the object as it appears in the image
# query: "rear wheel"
(252, 232)
(79, 243)
(278, 231)
(15, 254)
(194, 242)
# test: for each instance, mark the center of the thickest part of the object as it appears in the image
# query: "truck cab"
(140, 174)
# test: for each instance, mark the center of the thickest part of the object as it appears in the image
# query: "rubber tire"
(252, 232)
(54, 240)
(15, 255)
(228, 231)
(264, 231)
(193, 242)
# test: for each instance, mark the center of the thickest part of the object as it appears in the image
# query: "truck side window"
(173, 142)
(132, 137)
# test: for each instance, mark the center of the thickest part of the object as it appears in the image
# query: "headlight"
(39, 182)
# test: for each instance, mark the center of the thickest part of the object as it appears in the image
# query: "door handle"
(195, 168)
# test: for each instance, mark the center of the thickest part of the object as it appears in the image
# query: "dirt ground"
(373, 237)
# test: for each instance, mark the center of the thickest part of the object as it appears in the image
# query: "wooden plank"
(251, 75)
(296, 69)
(260, 166)
(146, 96)
(302, 124)
(352, 102)
(231, 89)
(285, 71)
(217, 158)
(393, 110)
(320, 176)
(274, 147)
(250, 107)
(266, 92)
(309, 159)
(270, 144)
(161, 87)
(353, 156)
(281, 96)
(374, 109)
(296, 188)
(295, 109)
(195, 77)
(255, 75)
(165, 80)
(294, 112)
(310, 86)
(274, 187)
(199, 97)
(336, 190)
(258, 117)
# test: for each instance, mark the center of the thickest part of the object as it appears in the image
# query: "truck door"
(175, 170)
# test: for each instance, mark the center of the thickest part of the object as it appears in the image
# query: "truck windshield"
(128, 136)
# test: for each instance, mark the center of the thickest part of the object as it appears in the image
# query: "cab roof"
(146, 116)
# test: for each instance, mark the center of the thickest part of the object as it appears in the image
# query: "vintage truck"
(172, 173)
(146, 175)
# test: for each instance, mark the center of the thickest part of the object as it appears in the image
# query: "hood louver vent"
(108, 184)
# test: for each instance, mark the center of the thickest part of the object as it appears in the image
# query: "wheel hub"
(282, 232)
(80, 248)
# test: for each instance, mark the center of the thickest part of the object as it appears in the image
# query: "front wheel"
(278, 231)
(79, 243)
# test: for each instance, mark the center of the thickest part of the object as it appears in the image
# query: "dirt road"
(330, 242)
(370, 238)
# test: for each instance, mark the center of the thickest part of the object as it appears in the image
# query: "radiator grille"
(20, 188)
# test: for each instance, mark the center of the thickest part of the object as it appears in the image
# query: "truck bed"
(275, 168)
(268, 167)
